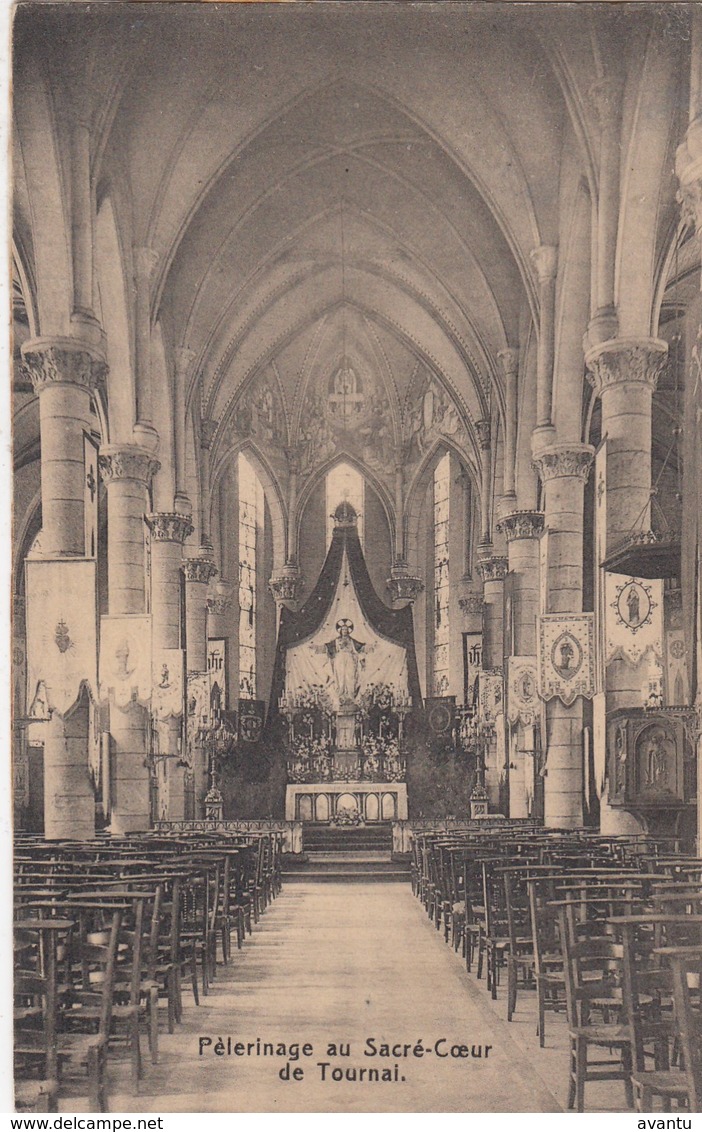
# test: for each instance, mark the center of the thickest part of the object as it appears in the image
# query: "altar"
(344, 685)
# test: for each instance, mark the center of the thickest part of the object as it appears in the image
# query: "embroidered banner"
(251, 718)
(440, 714)
(125, 659)
(217, 668)
(472, 662)
(491, 696)
(167, 694)
(199, 710)
(634, 618)
(522, 690)
(61, 633)
(566, 656)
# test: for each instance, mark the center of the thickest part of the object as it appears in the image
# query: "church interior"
(357, 548)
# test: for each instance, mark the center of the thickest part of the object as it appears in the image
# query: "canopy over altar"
(345, 678)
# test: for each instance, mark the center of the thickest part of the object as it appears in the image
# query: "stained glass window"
(442, 483)
(250, 520)
(344, 484)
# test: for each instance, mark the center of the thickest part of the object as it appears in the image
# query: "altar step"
(322, 838)
(347, 868)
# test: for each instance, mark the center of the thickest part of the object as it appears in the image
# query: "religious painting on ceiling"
(346, 409)
(430, 413)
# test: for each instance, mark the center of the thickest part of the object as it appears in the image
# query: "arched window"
(441, 660)
(250, 523)
(344, 483)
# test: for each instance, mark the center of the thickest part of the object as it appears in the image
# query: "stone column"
(564, 470)
(127, 472)
(522, 530)
(510, 367)
(207, 431)
(144, 263)
(545, 261)
(184, 359)
(624, 373)
(169, 531)
(198, 572)
(64, 373)
(483, 431)
(492, 569)
(606, 95)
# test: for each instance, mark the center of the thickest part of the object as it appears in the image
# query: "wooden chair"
(686, 964)
(82, 1040)
(35, 1013)
(589, 962)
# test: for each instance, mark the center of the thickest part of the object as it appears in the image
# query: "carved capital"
(220, 602)
(472, 603)
(169, 526)
(493, 569)
(509, 360)
(545, 260)
(482, 429)
(624, 361)
(127, 462)
(285, 587)
(564, 461)
(521, 524)
(199, 569)
(402, 585)
(207, 431)
(62, 361)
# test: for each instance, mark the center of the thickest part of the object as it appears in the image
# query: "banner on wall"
(472, 663)
(167, 694)
(125, 659)
(217, 668)
(633, 618)
(523, 703)
(491, 696)
(252, 715)
(61, 633)
(566, 656)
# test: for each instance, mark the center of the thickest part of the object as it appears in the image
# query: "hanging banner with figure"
(167, 694)
(522, 690)
(491, 696)
(125, 659)
(566, 656)
(61, 633)
(634, 617)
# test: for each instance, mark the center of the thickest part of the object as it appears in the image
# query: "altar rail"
(291, 830)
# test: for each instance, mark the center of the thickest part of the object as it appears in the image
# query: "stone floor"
(338, 963)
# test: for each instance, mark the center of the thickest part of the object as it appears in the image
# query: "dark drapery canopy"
(395, 625)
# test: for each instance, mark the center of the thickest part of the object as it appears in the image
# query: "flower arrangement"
(347, 815)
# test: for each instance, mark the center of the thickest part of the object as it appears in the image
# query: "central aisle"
(342, 963)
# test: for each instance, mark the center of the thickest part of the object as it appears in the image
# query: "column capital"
(625, 361)
(402, 585)
(545, 260)
(169, 526)
(472, 603)
(521, 524)
(199, 569)
(285, 586)
(509, 360)
(483, 431)
(564, 461)
(220, 602)
(62, 361)
(493, 569)
(127, 462)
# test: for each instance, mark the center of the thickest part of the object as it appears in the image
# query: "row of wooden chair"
(106, 935)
